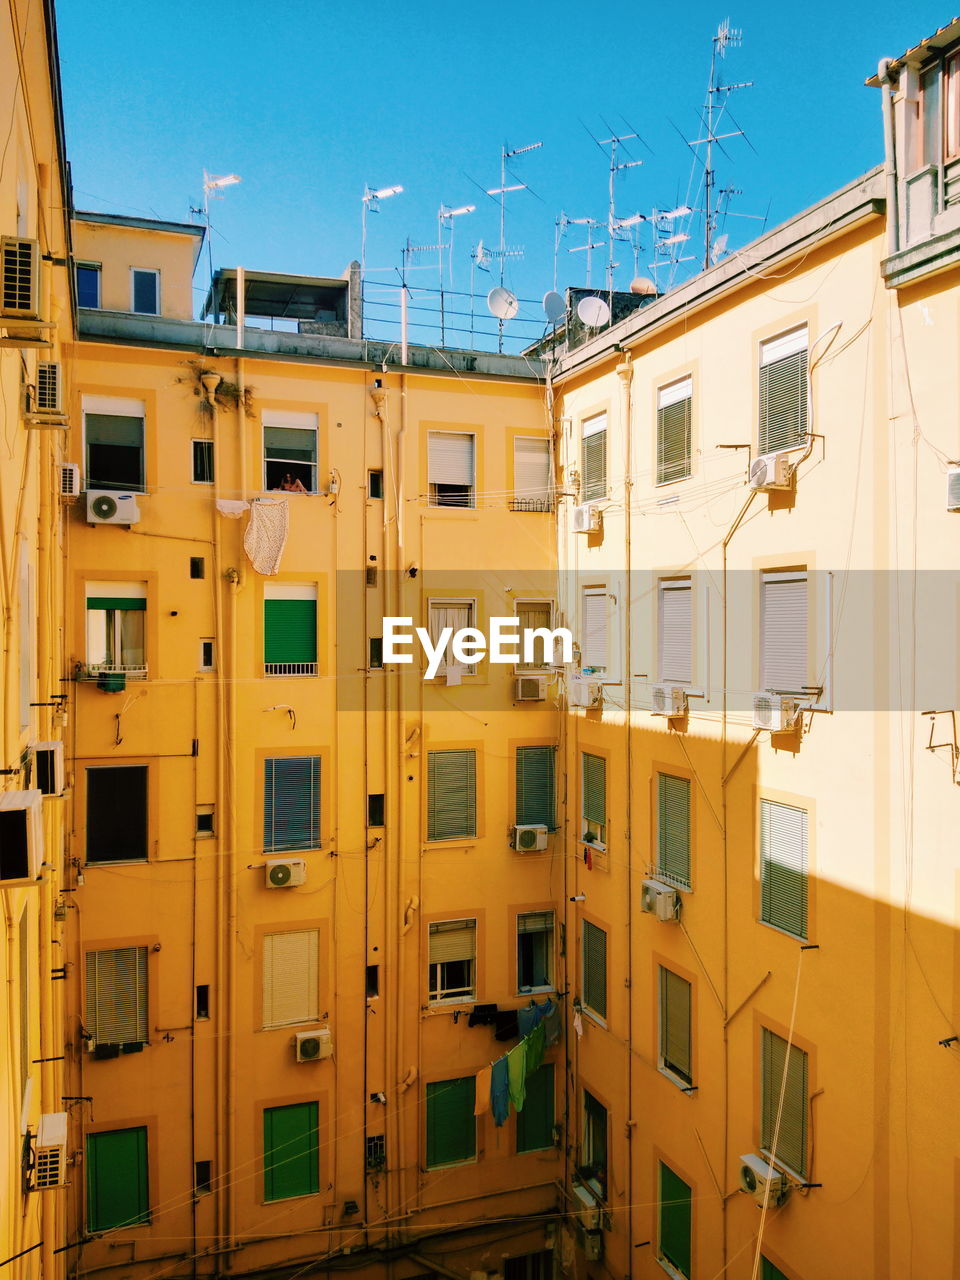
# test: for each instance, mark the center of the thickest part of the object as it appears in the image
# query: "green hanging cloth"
(536, 1043)
(517, 1074)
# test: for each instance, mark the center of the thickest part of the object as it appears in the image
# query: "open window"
(114, 434)
(453, 961)
(116, 626)
(451, 468)
(290, 451)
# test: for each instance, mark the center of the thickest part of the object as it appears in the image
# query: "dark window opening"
(375, 486)
(117, 814)
(373, 980)
(375, 810)
(198, 567)
(203, 1001)
(371, 575)
(88, 286)
(114, 451)
(146, 292)
(376, 1151)
(203, 462)
(451, 495)
(205, 821)
(14, 854)
(206, 654)
(201, 1177)
(529, 1266)
(376, 653)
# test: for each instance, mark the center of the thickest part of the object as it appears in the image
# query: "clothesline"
(504, 1081)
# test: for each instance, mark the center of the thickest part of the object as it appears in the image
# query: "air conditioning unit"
(49, 395)
(771, 471)
(756, 1174)
(50, 1152)
(530, 838)
(106, 507)
(587, 518)
(21, 838)
(284, 873)
(584, 693)
(774, 711)
(586, 1208)
(48, 769)
(591, 1242)
(69, 480)
(660, 900)
(19, 278)
(312, 1046)
(669, 700)
(953, 489)
(530, 689)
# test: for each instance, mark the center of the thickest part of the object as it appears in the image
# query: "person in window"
(291, 485)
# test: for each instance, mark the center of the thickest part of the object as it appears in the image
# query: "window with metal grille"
(674, 404)
(675, 1025)
(675, 1221)
(451, 1125)
(536, 786)
(593, 458)
(453, 960)
(290, 629)
(532, 490)
(451, 468)
(291, 1149)
(451, 795)
(783, 867)
(116, 996)
(533, 616)
(594, 648)
(202, 461)
(783, 631)
(290, 451)
(535, 931)
(114, 434)
(675, 630)
(791, 1144)
(535, 1121)
(594, 969)
(117, 813)
(291, 977)
(673, 829)
(593, 1152)
(117, 1181)
(594, 796)
(783, 391)
(376, 1151)
(291, 803)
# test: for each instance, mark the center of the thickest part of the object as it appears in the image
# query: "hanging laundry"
(517, 1070)
(551, 1022)
(577, 1023)
(232, 508)
(265, 536)
(506, 1024)
(528, 1018)
(588, 857)
(536, 1043)
(500, 1091)
(482, 1104)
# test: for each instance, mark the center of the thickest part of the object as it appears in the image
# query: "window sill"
(446, 1003)
(536, 991)
(685, 1086)
(115, 862)
(451, 1164)
(451, 842)
(597, 1018)
(670, 1269)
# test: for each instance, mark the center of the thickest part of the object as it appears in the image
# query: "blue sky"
(309, 101)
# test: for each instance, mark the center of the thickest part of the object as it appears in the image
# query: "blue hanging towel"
(528, 1018)
(500, 1091)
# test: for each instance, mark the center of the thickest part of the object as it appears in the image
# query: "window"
(198, 567)
(529, 1266)
(531, 474)
(593, 643)
(769, 1272)
(291, 804)
(375, 812)
(783, 867)
(145, 291)
(535, 615)
(951, 107)
(535, 1121)
(536, 786)
(207, 658)
(290, 629)
(676, 630)
(375, 662)
(451, 468)
(290, 451)
(375, 484)
(783, 631)
(593, 458)
(117, 813)
(88, 285)
(792, 1140)
(116, 996)
(372, 981)
(451, 795)
(202, 461)
(202, 1001)
(535, 950)
(676, 1221)
(202, 1175)
(291, 977)
(291, 1147)
(783, 391)
(117, 1187)
(453, 960)
(113, 430)
(673, 829)
(594, 782)
(594, 975)
(116, 616)
(455, 614)
(593, 1161)
(376, 1151)
(205, 825)
(675, 1028)
(673, 431)
(930, 115)
(451, 1127)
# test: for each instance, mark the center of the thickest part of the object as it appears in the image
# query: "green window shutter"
(792, 1139)
(289, 631)
(595, 968)
(783, 867)
(675, 1024)
(593, 460)
(451, 1126)
(451, 795)
(769, 1272)
(536, 786)
(783, 402)
(673, 828)
(291, 803)
(117, 1187)
(535, 1121)
(291, 1151)
(676, 1220)
(594, 789)
(673, 441)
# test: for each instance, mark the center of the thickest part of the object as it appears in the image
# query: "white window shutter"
(676, 631)
(290, 977)
(116, 982)
(531, 468)
(453, 940)
(593, 647)
(783, 632)
(450, 457)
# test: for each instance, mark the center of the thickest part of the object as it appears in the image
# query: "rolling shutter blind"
(450, 457)
(673, 832)
(453, 940)
(675, 1023)
(593, 478)
(451, 1127)
(676, 1220)
(535, 1121)
(783, 632)
(116, 982)
(289, 630)
(783, 391)
(291, 803)
(113, 428)
(783, 867)
(531, 468)
(594, 789)
(290, 1151)
(535, 922)
(676, 631)
(536, 768)
(452, 795)
(792, 1141)
(117, 1187)
(673, 431)
(593, 649)
(291, 977)
(595, 968)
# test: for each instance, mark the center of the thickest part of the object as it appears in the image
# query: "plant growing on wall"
(227, 395)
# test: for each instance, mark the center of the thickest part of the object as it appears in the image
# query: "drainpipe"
(889, 156)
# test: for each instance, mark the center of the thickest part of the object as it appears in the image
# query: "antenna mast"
(614, 142)
(727, 37)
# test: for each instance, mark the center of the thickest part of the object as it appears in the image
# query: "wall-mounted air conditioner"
(586, 518)
(771, 471)
(313, 1046)
(21, 838)
(48, 771)
(49, 398)
(69, 481)
(19, 278)
(669, 700)
(584, 693)
(953, 489)
(529, 838)
(755, 1175)
(530, 689)
(284, 873)
(660, 900)
(50, 1152)
(106, 507)
(775, 711)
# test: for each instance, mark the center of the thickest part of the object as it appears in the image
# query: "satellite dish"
(643, 286)
(593, 311)
(719, 247)
(554, 306)
(502, 303)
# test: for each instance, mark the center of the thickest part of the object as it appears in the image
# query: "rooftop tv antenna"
(371, 202)
(213, 190)
(480, 259)
(591, 224)
(616, 143)
(502, 252)
(445, 222)
(669, 239)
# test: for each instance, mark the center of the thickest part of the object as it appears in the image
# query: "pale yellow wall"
(117, 250)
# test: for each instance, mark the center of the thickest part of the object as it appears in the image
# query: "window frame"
(438, 992)
(599, 672)
(316, 818)
(527, 500)
(206, 449)
(673, 1071)
(470, 494)
(142, 1180)
(600, 1015)
(520, 667)
(445, 602)
(114, 407)
(96, 269)
(549, 947)
(769, 1103)
(458, 838)
(117, 649)
(676, 392)
(595, 1178)
(596, 838)
(594, 488)
(144, 271)
(468, 1157)
(144, 772)
(672, 1266)
(767, 902)
(310, 1155)
(546, 1072)
(682, 582)
(774, 578)
(522, 818)
(663, 871)
(767, 357)
(288, 593)
(136, 981)
(285, 420)
(272, 943)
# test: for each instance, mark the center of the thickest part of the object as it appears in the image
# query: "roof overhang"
(914, 57)
(191, 229)
(271, 293)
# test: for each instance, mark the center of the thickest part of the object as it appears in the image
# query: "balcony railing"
(289, 668)
(531, 504)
